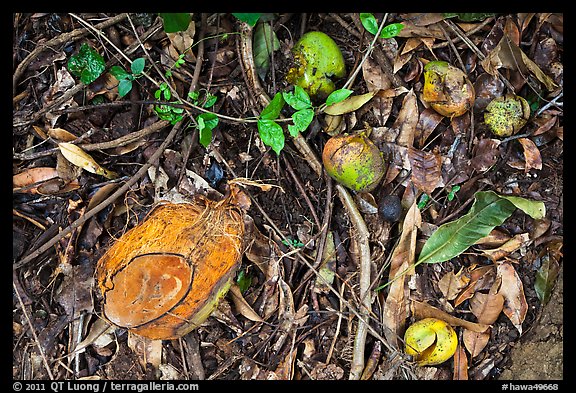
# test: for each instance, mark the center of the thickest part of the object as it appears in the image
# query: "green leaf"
(271, 134)
(453, 192)
(243, 281)
(391, 30)
(87, 64)
(488, 211)
(124, 87)
(424, 198)
(337, 96)
(174, 22)
(350, 104)
(265, 42)
(272, 110)
(369, 22)
(302, 119)
(534, 209)
(137, 65)
(546, 278)
(298, 99)
(251, 19)
(210, 100)
(453, 238)
(119, 73)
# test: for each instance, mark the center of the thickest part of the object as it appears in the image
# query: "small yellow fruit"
(506, 115)
(447, 89)
(431, 341)
(317, 59)
(354, 161)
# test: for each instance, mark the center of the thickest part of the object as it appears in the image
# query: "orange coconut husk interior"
(164, 277)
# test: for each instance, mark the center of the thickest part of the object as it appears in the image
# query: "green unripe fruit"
(354, 161)
(317, 59)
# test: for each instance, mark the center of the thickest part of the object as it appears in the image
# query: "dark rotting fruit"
(390, 208)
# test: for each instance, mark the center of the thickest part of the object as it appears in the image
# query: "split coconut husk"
(165, 276)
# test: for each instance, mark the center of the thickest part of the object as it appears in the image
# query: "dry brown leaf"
(61, 135)
(421, 310)
(427, 123)
(411, 44)
(515, 305)
(407, 120)
(374, 77)
(80, 158)
(486, 307)
(532, 155)
(242, 305)
(508, 55)
(494, 239)
(460, 365)
(485, 154)
(480, 278)
(412, 30)
(31, 176)
(475, 342)
(510, 246)
(426, 169)
(395, 309)
(182, 41)
(451, 284)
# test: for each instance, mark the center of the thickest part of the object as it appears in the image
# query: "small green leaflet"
(251, 19)
(453, 192)
(206, 123)
(298, 99)
(272, 110)
(137, 66)
(124, 87)
(338, 96)
(371, 25)
(271, 134)
(424, 198)
(243, 280)
(174, 22)
(488, 211)
(119, 73)
(88, 64)
(302, 120)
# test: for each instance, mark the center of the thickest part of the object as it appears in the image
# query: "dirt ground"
(294, 310)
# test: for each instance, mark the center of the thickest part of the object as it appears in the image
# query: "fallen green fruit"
(506, 115)
(431, 341)
(317, 59)
(354, 161)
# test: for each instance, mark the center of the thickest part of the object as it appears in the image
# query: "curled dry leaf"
(480, 277)
(532, 155)
(487, 307)
(460, 365)
(427, 123)
(487, 88)
(31, 176)
(80, 158)
(395, 308)
(512, 289)
(451, 284)
(407, 120)
(475, 342)
(426, 169)
(508, 247)
(422, 310)
(485, 154)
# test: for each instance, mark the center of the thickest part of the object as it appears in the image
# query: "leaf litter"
(290, 321)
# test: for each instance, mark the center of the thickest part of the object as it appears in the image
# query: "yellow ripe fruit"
(431, 341)
(447, 89)
(506, 115)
